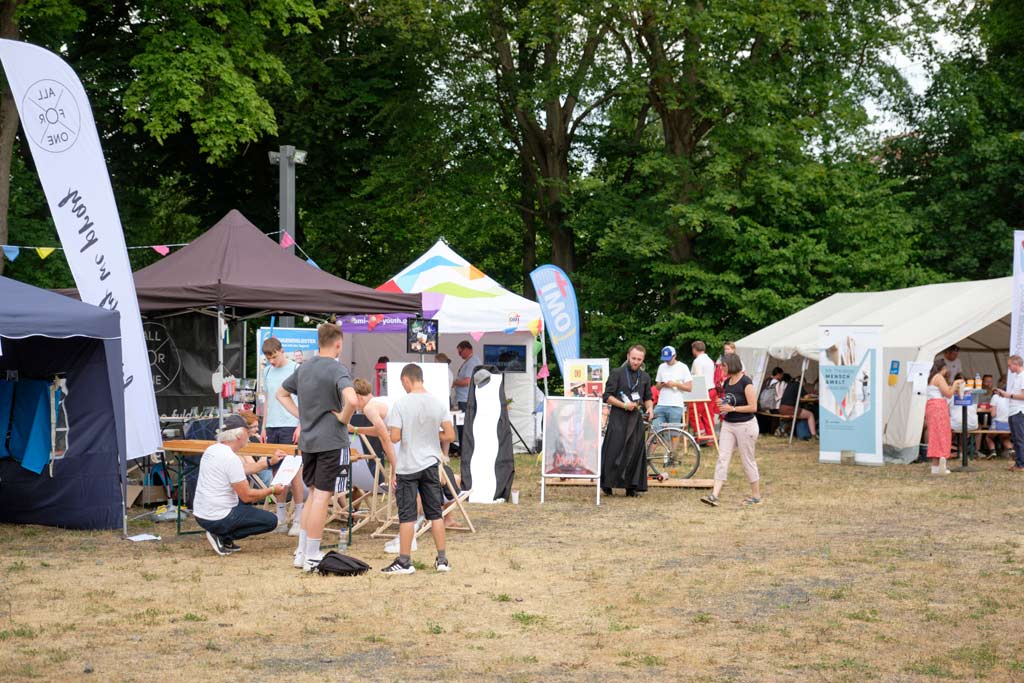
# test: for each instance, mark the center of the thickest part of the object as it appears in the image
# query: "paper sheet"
(289, 467)
(143, 537)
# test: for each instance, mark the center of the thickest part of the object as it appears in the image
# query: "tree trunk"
(8, 123)
(528, 212)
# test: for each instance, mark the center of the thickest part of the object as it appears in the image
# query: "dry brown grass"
(844, 574)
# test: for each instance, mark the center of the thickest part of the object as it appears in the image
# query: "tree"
(964, 157)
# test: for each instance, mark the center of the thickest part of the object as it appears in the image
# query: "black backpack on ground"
(342, 565)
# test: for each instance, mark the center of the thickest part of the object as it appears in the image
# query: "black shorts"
(280, 434)
(427, 484)
(320, 470)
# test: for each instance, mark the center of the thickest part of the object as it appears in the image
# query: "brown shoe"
(1015, 468)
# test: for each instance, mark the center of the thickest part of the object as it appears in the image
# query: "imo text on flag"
(1017, 313)
(57, 120)
(557, 300)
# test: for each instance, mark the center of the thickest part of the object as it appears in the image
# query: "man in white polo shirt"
(672, 380)
(222, 484)
(1015, 392)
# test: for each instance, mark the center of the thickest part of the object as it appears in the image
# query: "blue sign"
(557, 300)
(965, 400)
(894, 367)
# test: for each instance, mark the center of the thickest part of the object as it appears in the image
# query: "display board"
(699, 390)
(298, 343)
(572, 440)
(585, 377)
(435, 380)
(850, 415)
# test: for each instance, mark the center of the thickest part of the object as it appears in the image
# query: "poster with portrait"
(572, 437)
(585, 377)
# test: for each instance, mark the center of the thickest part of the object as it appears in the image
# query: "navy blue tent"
(44, 335)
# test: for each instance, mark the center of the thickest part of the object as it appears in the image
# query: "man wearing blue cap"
(672, 380)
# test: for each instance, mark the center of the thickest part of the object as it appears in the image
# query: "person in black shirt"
(739, 430)
(623, 455)
(788, 405)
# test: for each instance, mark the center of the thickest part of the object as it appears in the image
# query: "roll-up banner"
(1017, 314)
(557, 300)
(61, 132)
(850, 393)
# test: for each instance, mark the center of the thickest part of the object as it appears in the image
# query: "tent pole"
(544, 355)
(245, 340)
(796, 408)
(220, 365)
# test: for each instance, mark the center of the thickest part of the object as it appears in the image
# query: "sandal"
(710, 499)
(750, 500)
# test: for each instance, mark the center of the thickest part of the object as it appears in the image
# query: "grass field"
(843, 574)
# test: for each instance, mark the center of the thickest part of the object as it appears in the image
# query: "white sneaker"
(282, 528)
(299, 559)
(312, 563)
(296, 528)
(393, 545)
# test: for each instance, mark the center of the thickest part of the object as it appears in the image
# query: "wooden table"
(181, 448)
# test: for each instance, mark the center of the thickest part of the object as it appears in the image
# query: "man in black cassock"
(623, 455)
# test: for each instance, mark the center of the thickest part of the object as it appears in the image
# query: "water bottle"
(977, 380)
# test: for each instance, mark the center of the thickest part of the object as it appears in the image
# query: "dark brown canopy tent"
(233, 264)
(234, 271)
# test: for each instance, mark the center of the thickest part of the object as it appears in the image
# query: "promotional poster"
(850, 369)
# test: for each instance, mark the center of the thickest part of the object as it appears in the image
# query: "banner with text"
(557, 300)
(1017, 314)
(58, 123)
(850, 397)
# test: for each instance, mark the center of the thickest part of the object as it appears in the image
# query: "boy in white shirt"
(672, 380)
(419, 422)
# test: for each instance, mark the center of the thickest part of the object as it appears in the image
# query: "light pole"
(286, 159)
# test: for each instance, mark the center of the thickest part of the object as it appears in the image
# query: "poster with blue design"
(850, 396)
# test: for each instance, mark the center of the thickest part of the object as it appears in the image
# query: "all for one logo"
(52, 117)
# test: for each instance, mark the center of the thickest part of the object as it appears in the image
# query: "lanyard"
(630, 381)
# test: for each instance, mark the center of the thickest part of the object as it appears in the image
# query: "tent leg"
(220, 364)
(796, 408)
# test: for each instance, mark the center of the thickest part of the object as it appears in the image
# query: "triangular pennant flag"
(537, 346)
(312, 263)
(509, 330)
(161, 249)
(475, 335)
(286, 241)
(543, 372)
(11, 252)
(44, 251)
(535, 326)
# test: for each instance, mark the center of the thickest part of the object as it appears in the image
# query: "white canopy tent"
(917, 324)
(468, 305)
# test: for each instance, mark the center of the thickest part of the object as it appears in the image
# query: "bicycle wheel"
(673, 451)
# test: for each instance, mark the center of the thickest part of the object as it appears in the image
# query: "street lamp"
(286, 159)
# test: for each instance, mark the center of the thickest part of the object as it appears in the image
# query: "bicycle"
(671, 451)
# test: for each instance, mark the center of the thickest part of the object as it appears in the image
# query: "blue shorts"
(1001, 426)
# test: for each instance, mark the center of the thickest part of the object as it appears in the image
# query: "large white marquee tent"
(917, 324)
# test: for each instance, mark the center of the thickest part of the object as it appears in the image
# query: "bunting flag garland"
(476, 335)
(12, 251)
(543, 372)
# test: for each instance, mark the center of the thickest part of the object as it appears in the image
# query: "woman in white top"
(936, 416)
(1000, 419)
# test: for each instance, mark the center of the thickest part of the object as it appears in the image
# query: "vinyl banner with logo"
(58, 124)
(1017, 314)
(557, 300)
(850, 393)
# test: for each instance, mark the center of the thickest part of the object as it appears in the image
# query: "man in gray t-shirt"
(419, 421)
(326, 402)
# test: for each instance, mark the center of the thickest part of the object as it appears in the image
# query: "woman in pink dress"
(936, 415)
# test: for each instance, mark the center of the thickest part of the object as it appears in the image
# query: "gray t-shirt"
(466, 371)
(318, 383)
(419, 416)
